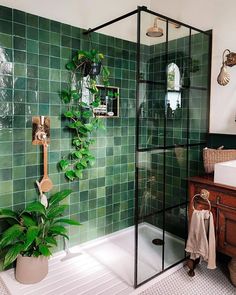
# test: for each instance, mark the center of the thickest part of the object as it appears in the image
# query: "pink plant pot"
(30, 270)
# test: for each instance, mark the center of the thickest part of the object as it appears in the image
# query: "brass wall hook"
(223, 77)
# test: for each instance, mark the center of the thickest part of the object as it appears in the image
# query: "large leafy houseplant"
(33, 231)
(81, 97)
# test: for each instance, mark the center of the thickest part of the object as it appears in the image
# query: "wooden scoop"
(46, 183)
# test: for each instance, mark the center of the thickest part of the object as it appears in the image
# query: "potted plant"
(31, 235)
(81, 97)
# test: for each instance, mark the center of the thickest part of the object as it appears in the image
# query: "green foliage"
(34, 230)
(82, 121)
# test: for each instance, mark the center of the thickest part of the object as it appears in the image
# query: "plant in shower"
(32, 232)
(81, 97)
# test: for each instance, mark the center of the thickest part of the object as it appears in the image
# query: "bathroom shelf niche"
(109, 107)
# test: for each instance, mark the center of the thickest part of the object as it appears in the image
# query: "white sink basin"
(225, 173)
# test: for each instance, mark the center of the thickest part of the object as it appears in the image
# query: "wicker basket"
(212, 156)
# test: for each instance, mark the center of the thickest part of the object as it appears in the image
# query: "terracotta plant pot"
(30, 270)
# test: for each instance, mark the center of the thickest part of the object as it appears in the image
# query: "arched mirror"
(173, 99)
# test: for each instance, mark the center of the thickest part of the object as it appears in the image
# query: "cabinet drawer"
(226, 200)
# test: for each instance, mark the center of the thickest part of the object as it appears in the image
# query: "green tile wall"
(33, 54)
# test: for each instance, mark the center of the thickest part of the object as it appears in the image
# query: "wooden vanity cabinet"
(223, 203)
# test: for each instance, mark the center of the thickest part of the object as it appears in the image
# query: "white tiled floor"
(100, 280)
(205, 282)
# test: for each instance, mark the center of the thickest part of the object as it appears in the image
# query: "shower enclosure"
(172, 104)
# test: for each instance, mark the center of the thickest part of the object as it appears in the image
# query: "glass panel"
(149, 253)
(176, 101)
(199, 93)
(176, 176)
(152, 85)
(150, 182)
(175, 234)
(150, 192)
(195, 164)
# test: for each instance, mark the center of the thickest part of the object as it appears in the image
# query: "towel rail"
(204, 194)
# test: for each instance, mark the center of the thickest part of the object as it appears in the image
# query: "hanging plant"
(81, 97)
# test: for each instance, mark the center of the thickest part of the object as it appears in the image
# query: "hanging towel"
(201, 237)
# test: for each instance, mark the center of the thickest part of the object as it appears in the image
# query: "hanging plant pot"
(31, 270)
(95, 69)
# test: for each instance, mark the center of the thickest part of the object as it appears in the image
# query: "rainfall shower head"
(154, 31)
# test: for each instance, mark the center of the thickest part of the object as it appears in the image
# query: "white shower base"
(105, 266)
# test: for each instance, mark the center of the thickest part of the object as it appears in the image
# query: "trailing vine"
(81, 97)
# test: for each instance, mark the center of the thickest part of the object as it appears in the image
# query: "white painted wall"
(219, 16)
(212, 14)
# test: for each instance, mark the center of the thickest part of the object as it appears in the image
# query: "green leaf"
(10, 235)
(87, 114)
(65, 96)
(7, 213)
(56, 211)
(84, 104)
(79, 166)
(77, 114)
(77, 154)
(89, 126)
(70, 66)
(70, 174)
(27, 220)
(79, 173)
(93, 90)
(58, 229)
(72, 125)
(58, 197)
(91, 160)
(100, 56)
(12, 254)
(106, 82)
(68, 221)
(75, 95)
(75, 58)
(64, 164)
(84, 163)
(51, 240)
(68, 114)
(105, 71)
(83, 130)
(31, 234)
(82, 54)
(44, 250)
(36, 207)
(77, 142)
(95, 103)
(78, 124)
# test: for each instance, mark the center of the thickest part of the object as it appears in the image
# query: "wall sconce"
(224, 77)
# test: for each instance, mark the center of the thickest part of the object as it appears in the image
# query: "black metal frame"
(165, 147)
